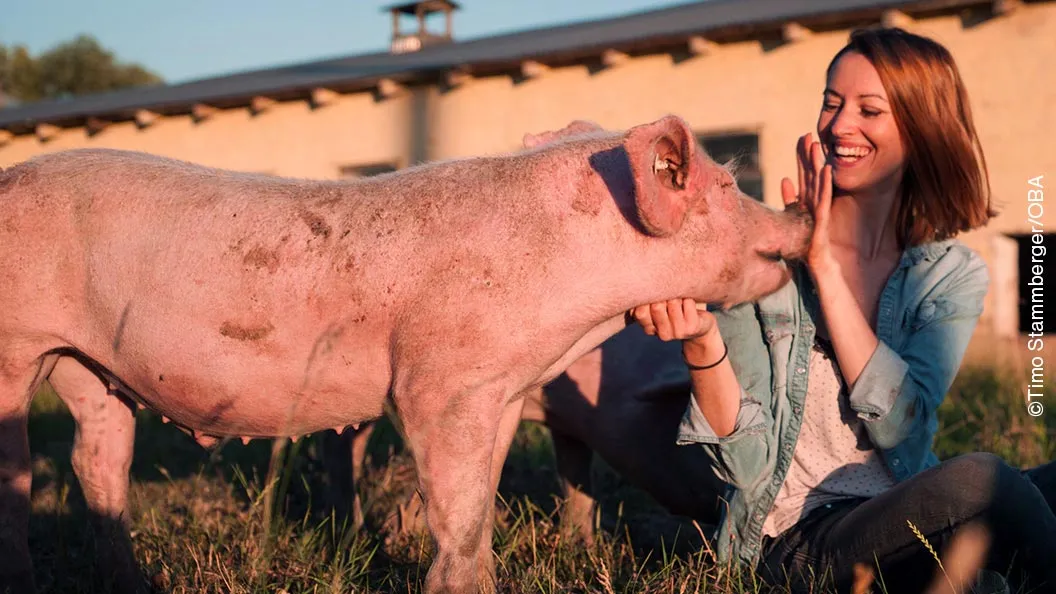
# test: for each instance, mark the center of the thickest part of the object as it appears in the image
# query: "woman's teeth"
(848, 154)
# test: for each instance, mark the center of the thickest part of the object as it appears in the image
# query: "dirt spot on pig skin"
(261, 257)
(588, 199)
(316, 224)
(244, 333)
(728, 273)
(120, 332)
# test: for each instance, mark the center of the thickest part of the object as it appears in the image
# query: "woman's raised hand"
(815, 194)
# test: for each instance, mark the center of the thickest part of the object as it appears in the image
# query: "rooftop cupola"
(413, 41)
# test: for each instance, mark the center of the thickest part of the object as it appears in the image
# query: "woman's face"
(857, 129)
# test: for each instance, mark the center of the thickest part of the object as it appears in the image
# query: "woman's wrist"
(823, 268)
(704, 351)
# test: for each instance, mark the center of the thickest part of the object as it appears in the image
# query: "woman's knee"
(975, 476)
(978, 480)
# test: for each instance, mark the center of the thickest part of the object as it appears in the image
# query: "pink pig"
(255, 306)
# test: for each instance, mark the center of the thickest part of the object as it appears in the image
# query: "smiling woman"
(818, 403)
(909, 120)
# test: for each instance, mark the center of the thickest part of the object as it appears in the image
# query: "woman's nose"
(842, 124)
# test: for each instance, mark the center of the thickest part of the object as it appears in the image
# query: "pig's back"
(236, 289)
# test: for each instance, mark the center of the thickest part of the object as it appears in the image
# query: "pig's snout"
(784, 235)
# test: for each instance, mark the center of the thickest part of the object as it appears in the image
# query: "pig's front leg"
(102, 456)
(452, 435)
(511, 420)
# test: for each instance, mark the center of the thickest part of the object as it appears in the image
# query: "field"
(201, 523)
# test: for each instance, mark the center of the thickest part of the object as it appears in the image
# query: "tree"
(77, 67)
(18, 74)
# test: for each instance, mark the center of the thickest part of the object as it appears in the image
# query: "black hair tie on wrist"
(725, 351)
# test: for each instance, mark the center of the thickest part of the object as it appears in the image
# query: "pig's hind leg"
(453, 436)
(344, 456)
(102, 456)
(18, 383)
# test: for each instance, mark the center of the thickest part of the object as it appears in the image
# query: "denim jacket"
(927, 313)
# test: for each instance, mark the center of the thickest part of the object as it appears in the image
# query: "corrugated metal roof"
(708, 17)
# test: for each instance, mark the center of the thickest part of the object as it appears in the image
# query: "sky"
(189, 39)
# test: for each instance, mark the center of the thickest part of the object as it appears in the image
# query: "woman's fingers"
(692, 318)
(824, 195)
(788, 192)
(817, 158)
(640, 314)
(801, 163)
(814, 164)
(679, 323)
(658, 311)
(807, 192)
(676, 319)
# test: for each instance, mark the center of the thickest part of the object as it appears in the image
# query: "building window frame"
(741, 145)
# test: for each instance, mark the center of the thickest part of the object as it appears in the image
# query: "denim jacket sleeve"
(739, 458)
(897, 392)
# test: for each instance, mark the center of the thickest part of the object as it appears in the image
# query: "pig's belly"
(254, 395)
(219, 408)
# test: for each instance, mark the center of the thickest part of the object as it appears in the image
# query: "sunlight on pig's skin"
(278, 307)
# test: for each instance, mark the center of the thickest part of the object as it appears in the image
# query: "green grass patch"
(199, 523)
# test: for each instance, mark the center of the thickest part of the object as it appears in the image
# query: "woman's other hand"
(676, 319)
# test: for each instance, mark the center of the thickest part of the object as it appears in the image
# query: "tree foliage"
(76, 67)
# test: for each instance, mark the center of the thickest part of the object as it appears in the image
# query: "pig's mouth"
(773, 256)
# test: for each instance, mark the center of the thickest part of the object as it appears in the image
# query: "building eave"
(686, 27)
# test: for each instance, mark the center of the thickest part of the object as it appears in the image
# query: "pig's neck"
(573, 216)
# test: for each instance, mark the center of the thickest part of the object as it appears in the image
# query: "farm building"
(747, 74)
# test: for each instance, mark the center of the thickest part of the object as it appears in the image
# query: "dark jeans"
(1016, 507)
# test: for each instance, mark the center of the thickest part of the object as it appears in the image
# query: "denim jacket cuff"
(696, 429)
(880, 396)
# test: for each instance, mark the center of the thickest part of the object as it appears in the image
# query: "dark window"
(743, 149)
(369, 170)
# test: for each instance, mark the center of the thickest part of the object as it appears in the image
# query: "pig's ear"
(574, 129)
(663, 158)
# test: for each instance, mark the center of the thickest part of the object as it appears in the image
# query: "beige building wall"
(288, 138)
(764, 87)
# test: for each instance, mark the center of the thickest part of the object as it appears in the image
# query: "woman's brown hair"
(945, 187)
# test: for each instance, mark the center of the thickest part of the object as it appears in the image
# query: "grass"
(199, 523)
